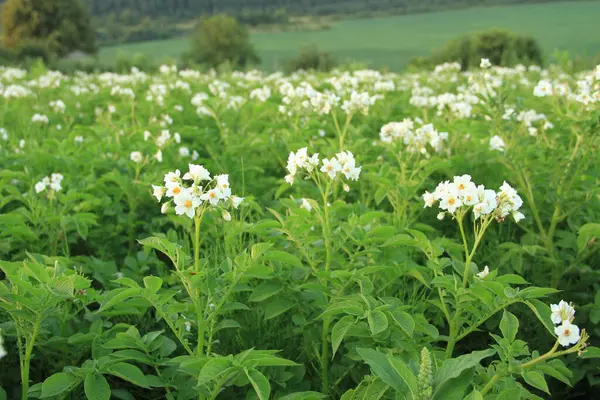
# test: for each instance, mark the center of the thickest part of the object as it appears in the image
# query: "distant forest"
(189, 9)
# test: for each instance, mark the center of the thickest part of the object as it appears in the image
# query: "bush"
(7, 56)
(310, 58)
(501, 47)
(34, 49)
(63, 25)
(222, 39)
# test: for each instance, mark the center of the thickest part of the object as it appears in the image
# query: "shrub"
(34, 49)
(501, 47)
(310, 58)
(222, 38)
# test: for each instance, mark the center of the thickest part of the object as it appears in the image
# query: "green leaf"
(382, 367)
(128, 372)
(534, 292)
(96, 387)
(278, 307)
(404, 321)
(591, 352)
(339, 330)
(549, 370)
(586, 233)
(213, 369)
(258, 249)
(162, 245)
(378, 321)
(452, 368)
(536, 379)
(542, 312)
(259, 382)
(406, 374)
(509, 325)
(58, 383)
(343, 307)
(282, 256)
(263, 358)
(117, 296)
(227, 324)
(510, 394)
(153, 283)
(474, 395)
(512, 279)
(265, 290)
(455, 388)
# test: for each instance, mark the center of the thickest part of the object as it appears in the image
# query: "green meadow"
(391, 42)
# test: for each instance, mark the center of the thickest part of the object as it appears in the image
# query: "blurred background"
(287, 35)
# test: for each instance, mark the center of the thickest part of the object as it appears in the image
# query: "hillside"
(188, 9)
(562, 26)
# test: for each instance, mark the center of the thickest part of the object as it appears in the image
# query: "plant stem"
(197, 222)
(490, 384)
(325, 356)
(27, 360)
(327, 320)
(196, 301)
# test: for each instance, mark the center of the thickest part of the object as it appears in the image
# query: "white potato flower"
(331, 167)
(562, 311)
(185, 204)
(496, 143)
(484, 273)
(197, 173)
(136, 156)
(567, 333)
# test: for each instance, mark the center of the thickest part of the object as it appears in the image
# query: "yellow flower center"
(188, 203)
(212, 194)
(176, 190)
(567, 332)
(451, 201)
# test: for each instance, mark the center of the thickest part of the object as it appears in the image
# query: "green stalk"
(27, 360)
(327, 320)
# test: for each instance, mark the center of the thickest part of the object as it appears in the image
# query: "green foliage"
(311, 59)
(220, 39)
(57, 26)
(501, 47)
(329, 287)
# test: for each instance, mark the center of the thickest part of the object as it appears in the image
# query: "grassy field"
(391, 42)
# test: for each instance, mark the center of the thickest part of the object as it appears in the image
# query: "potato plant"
(344, 235)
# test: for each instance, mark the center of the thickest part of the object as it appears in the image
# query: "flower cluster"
(461, 193)
(196, 189)
(342, 163)
(53, 182)
(416, 140)
(40, 119)
(563, 315)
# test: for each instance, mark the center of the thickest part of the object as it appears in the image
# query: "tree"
(63, 25)
(222, 39)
